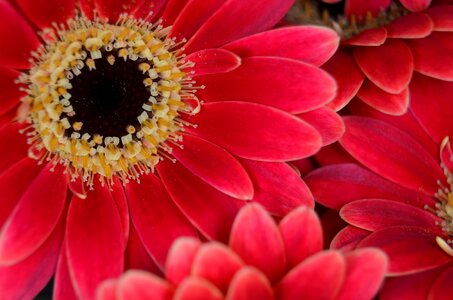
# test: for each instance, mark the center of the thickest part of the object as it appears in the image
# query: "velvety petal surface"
(112, 9)
(274, 132)
(442, 289)
(329, 124)
(63, 288)
(9, 89)
(442, 17)
(141, 285)
(212, 61)
(360, 8)
(249, 283)
(393, 104)
(14, 146)
(194, 288)
(411, 26)
(416, 5)
(348, 238)
(311, 44)
(370, 37)
(180, 259)
(43, 13)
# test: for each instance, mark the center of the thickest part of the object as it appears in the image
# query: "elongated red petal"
(329, 124)
(410, 249)
(157, 220)
(254, 230)
(117, 191)
(361, 8)
(34, 217)
(311, 44)
(319, 277)
(142, 285)
(416, 5)
(9, 89)
(233, 20)
(112, 9)
(194, 288)
(205, 159)
(147, 6)
(14, 147)
(348, 238)
(412, 26)
(15, 52)
(211, 211)
(442, 288)
(397, 156)
(393, 104)
(63, 288)
(180, 259)
(137, 257)
(96, 221)
(278, 187)
(306, 87)
(274, 132)
(369, 37)
(389, 66)
(302, 235)
(249, 283)
(213, 61)
(172, 11)
(442, 17)
(45, 12)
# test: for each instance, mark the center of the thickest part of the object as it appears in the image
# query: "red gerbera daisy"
(109, 102)
(263, 260)
(403, 202)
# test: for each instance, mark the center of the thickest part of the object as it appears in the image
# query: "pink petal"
(212, 61)
(157, 220)
(310, 44)
(44, 13)
(319, 277)
(180, 259)
(63, 288)
(112, 9)
(353, 182)
(13, 183)
(232, 125)
(142, 285)
(369, 37)
(393, 104)
(302, 235)
(15, 149)
(343, 63)
(255, 230)
(31, 222)
(398, 158)
(365, 273)
(433, 55)
(9, 89)
(416, 5)
(442, 17)
(27, 278)
(433, 115)
(211, 211)
(249, 283)
(232, 21)
(278, 187)
(96, 221)
(204, 159)
(348, 238)
(375, 214)
(15, 52)
(194, 288)
(217, 264)
(327, 122)
(107, 290)
(410, 249)
(389, 66)
(411, 26)
(442, 288)
(361, 8)
(305, 87)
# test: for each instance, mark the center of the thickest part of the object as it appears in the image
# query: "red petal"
(8, 117)
(327, 122)
(212, 61)
(9, 89)
(393, 104)
(255, 230)
(142, 285)
(14, 146)
(365, 273)
(311, 44)
(343, 63)
(147, 6)
(44, 13)
(211, 211)
(416, 5)
(96, 221)
(112, 9)
(298, 86)
(433, 55)
(157, 220)
(412, 26)
(204, 159)
(442, 288)
(369, 37)
(15, 52)
(319, 277)
(117, 191)
(197, 288)
(27, 278)
(410, 249)
(216, 263)
(232, 21)
(107, 290)
(348, 238)
(302, 235)
(275, 133)
(442, 17)
(431, 105)
(398, 158)
(389, 66)
(361, 8)
(63, 288)
(180, 259)
(375, 214)
(277, 186)
(172, 11)
(249, 283)
(333, 154)
(34, 217)
(353, 182)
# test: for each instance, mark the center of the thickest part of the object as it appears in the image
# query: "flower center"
(106, 99)
(316, 12)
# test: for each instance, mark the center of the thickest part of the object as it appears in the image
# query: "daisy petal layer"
(15, 146)
(180, 259)
(412, 26)
(44, 13)
(416, 5)
(249, 283)
(9, 90)
(329, 124)
(197, 288)
(141, 285)
(442, 289)
(212, 61)
(392, 104)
